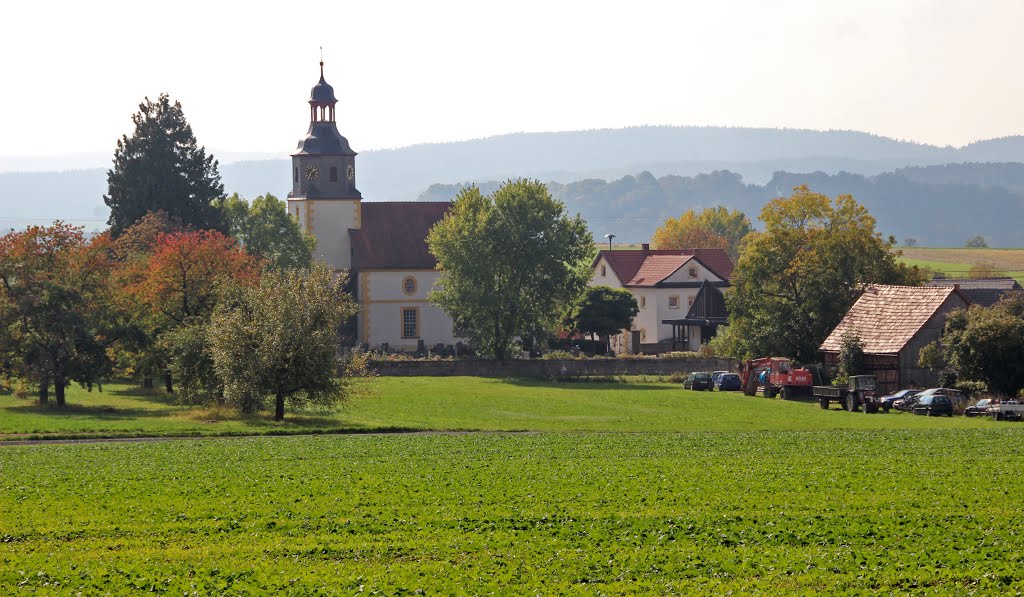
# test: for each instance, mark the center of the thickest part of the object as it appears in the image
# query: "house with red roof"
(381, 244)
(893, 324)
(679, 293)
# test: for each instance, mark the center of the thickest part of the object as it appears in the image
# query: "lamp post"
(609, 237)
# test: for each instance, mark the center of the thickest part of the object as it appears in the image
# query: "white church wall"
(329, 221)
(383, 297)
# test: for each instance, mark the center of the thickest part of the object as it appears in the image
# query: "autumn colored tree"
(177, 283)
(55, 314)
(796, 280)
(713, 228)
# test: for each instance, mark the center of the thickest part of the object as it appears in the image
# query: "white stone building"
(678, 292)
(381, 244)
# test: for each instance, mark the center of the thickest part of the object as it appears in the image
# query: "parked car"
(700, 380)
(715, 375)
(729, 381)
(889, 402)
(934, 405)
(978, 408)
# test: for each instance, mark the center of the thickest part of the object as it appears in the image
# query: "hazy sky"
(941, 72)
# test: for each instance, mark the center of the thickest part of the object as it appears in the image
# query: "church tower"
(324, 195)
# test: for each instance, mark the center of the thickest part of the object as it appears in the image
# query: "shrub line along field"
(638, 488)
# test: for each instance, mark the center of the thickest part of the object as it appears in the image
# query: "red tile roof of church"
(392, 234)
(628, 263)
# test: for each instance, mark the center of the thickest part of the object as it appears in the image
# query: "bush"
(556, 355)
(971, 388)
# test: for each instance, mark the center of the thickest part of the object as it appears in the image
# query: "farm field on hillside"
(956, 262)
(454, 403)
(831, 512)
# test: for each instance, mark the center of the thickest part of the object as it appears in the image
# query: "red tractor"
(775, 375)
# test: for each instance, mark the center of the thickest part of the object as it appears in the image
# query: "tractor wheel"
(769, 391)
(885, 408)
(824, 403)
(784, 393)
(851, 402)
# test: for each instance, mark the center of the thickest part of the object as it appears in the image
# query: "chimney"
(646, 247)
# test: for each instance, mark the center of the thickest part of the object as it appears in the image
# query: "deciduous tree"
(279, 340)
(161, 167)
(984, 344)
(510, 262)
(266, 230)
(796, 280)
(603, 311)
(54, 308)
(714, 227)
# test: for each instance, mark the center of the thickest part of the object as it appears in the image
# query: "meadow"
(957, 262)
(449, 404)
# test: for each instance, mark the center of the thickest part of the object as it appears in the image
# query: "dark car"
(978, 408)
(728, 381)
(715, 375)
(701, 380)
(888, 402)
(934, 405)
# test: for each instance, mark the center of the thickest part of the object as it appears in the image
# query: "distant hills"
(631, 179)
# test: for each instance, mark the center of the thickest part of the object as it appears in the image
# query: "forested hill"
(906, 204)
(577, 163)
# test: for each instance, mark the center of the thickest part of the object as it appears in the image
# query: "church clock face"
(312, 172)
(350, 172)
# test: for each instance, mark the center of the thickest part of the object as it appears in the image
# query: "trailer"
(861, 393)
(775, 376)
(1007, 410)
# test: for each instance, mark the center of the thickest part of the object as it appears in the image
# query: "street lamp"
(609, 237)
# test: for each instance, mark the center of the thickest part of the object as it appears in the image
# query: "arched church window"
(296, 174)
(334, 174)
(409, 285)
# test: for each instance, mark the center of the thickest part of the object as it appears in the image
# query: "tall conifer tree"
(161, 167)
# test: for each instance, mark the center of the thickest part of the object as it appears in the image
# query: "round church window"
(409, 285)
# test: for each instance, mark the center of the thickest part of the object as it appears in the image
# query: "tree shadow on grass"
(98, 411)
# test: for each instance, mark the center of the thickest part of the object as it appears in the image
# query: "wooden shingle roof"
(885, 318)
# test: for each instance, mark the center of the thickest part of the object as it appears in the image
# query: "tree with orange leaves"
(55, 318)
(176, 284)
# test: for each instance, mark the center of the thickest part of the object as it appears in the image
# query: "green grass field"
(594, 513)
(452, 404)
(957, 262)
(612, 488)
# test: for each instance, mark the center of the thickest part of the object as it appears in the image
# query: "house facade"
(382, 245)
(893, 324)
(666, 285)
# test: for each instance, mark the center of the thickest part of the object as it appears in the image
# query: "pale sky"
(941, 72)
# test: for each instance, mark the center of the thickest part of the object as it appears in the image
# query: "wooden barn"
(893, 323)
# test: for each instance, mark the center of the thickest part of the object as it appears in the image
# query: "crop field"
(452, 404)
(910, 511)
(956, 262)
